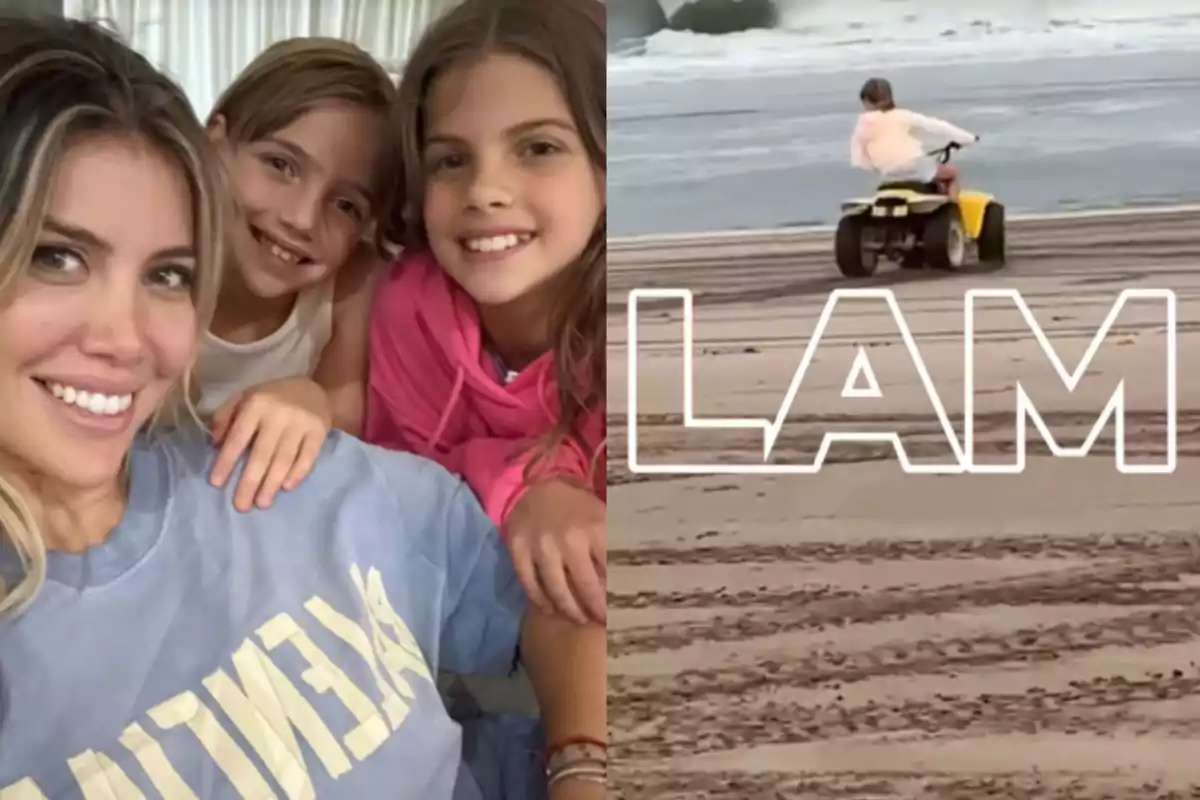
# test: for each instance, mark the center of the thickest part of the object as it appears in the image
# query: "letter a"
(903, 409)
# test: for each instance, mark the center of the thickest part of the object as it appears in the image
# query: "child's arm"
(937, 126)
(554, 525)
(567, 668)
(342, 369)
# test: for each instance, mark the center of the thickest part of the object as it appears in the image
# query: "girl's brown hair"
(565, 37)
(291, 77)
(878, 92)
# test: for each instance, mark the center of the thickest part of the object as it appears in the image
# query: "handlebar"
(943, 153)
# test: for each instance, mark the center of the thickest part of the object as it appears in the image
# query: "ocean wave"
(630, 21)
(834, 34)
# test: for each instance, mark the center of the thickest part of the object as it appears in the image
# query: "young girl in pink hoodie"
(486, 342)
(884, 140)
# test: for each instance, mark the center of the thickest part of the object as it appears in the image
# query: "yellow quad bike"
(915, 224)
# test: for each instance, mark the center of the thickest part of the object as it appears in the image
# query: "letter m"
(1148, 371)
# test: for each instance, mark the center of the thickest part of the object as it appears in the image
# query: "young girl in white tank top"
(302, 134)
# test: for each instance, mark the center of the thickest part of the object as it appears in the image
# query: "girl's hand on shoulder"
(283, 424)
(557, 536)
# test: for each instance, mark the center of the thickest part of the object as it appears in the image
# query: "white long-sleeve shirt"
(886, 141)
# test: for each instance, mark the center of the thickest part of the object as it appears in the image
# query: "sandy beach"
(861, 633)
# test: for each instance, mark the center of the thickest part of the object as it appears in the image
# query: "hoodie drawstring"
(460, 376)
(543, 395)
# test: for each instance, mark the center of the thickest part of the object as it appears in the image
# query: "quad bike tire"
(991, 242)
(852, 260)
(944, 242)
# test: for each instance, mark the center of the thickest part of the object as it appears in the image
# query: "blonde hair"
(291, 77)
(61, 81)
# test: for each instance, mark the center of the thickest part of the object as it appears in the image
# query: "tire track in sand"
(1095, 705)
(1116, 584)
(1159, 544)
(642, 699)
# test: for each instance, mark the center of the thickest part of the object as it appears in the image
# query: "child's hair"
(878, 92)
(565, 37)
(291, 77)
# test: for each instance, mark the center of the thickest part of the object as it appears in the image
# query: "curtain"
(204, 44)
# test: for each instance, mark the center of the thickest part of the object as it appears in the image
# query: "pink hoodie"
(886, 141)
(433, 390)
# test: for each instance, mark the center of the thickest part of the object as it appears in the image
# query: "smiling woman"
(119, 212)
(108, 268)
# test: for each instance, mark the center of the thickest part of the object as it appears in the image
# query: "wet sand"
(862, 633)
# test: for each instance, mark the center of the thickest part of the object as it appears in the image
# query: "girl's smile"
(494, 246)
(512, 197)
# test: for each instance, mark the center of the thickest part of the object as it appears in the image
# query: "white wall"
(203, 44)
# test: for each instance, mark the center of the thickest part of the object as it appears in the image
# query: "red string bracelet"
(572, 741)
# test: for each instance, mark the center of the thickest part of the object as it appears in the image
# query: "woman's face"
(100, 325)
(511, 195)
(304, 193)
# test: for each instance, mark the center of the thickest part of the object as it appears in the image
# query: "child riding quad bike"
(918, 223)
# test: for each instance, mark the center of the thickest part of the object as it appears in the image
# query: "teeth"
(280, 252)
(496, 244)
(106, 405)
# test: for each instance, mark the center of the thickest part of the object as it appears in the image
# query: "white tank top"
(224, 368)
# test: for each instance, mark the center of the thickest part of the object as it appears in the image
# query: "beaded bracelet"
(579, 757)
(593, 773)
(580, 748)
